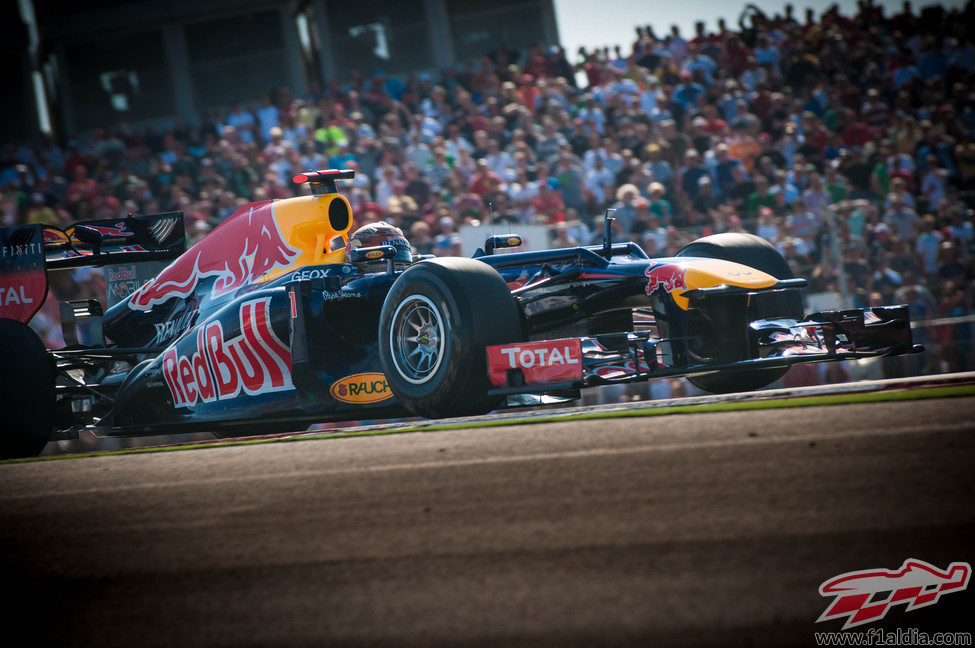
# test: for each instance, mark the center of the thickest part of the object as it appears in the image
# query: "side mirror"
(501, 241)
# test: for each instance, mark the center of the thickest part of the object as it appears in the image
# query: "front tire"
(27, 398)
(755, 252)
(436, 322)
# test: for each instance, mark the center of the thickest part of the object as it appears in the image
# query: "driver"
(380, 233)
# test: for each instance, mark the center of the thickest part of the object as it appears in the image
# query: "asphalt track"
(696, 529)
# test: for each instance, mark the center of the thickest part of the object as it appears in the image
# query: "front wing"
(553, 366)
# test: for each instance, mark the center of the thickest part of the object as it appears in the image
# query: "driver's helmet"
(381, 233)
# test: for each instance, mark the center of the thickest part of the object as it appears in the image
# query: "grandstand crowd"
(846, 141)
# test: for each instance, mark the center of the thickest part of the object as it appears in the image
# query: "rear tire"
(436, 322)
(27, 398)
(755, 252)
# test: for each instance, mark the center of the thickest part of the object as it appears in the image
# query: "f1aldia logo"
(865, 596)
(254, 362)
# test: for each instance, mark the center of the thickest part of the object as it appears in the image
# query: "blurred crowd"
(846, 141)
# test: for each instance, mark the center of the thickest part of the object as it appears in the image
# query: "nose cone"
(708, 273)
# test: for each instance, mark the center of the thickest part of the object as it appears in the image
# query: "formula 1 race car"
(269, 324)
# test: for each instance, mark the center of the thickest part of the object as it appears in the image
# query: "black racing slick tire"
(27, 398)
(436, 322)
(755, 252)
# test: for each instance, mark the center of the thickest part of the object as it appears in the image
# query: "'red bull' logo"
(865, 596)
(668, 276)
(240, 250)
(254, 362)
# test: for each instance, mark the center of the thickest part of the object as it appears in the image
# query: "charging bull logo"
(242, 249)
(120, 230)
(668, 276)
(254, 362)
(54, 236)
(865, 596)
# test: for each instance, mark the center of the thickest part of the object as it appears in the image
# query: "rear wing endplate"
(23, 281)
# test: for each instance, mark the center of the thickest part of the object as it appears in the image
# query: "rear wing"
(27, 252)
(156, 237)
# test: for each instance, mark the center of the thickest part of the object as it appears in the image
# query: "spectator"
(928, 244)
(484, 180)
(767, 228)
(268, 116)
(562, 239)
(547, 206)
(901, 218)
(570, 180)
(761, 197)
(815, 197)
(724, 169)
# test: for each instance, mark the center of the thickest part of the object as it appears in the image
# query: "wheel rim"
(416, 339)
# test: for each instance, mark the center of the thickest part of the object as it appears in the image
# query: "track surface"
(698, 529)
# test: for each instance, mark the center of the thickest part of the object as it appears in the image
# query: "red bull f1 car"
(269, 324)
